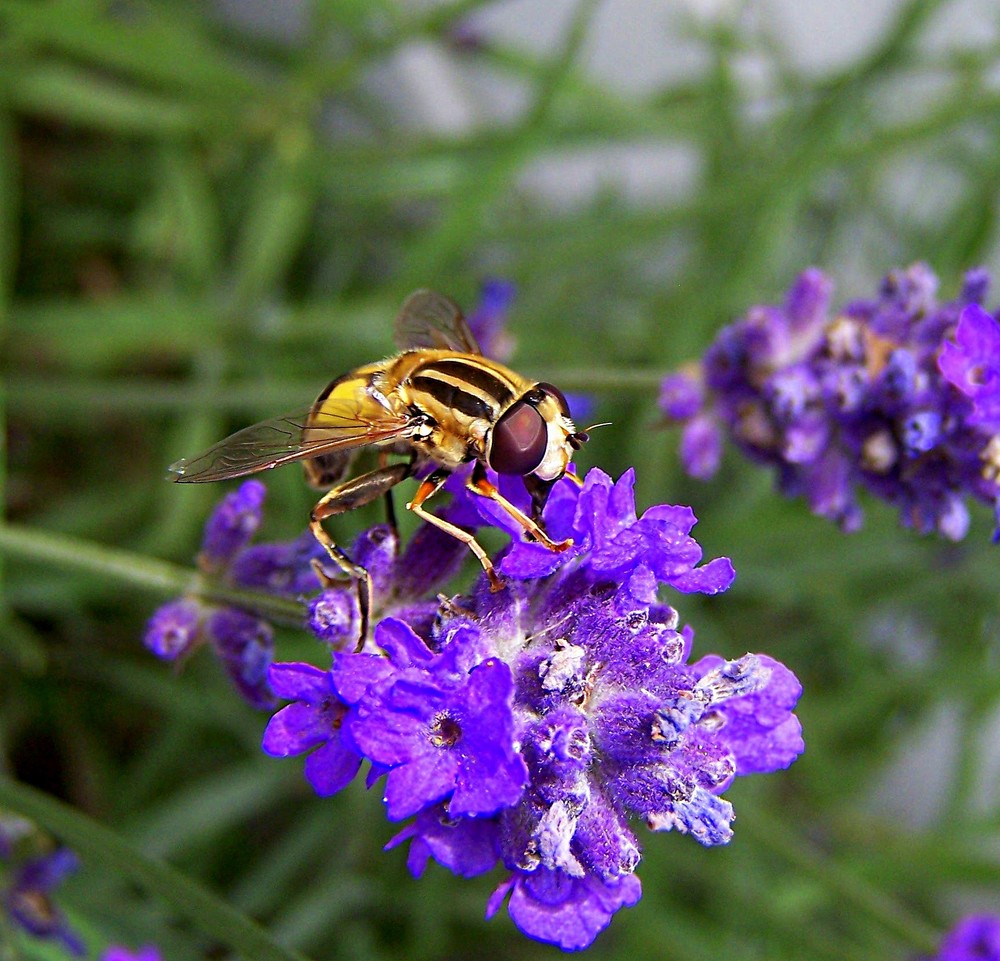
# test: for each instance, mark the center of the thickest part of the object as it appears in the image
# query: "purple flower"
(245, 645)
(607, 536)
(466, 846)
(312, 722)
(404, 583)
(28, 899)
(173, 630)
(243, 642)
(761, 730)
(231, 525)
(875, 397)
(530, 726)
(974, 938)
(972, 363)
(567, 911)
(116, 952)
(443, 731)
(284, 568)
(681, 395)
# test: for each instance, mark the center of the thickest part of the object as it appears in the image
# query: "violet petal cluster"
(488, 321)
(875, 396)
(243, 642)
(28, 901)
(974, 938)
(530, 728)
(116, 952)
(972, 363)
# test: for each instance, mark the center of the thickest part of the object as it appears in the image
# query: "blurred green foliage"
(201, 225)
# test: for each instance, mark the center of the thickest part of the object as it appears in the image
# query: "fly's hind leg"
(390, 506)
(343, 498)
(430, 487)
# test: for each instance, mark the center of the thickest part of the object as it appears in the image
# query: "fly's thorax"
(461, 394)
(471, 386)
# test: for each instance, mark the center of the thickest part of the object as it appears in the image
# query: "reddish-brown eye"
(519, 441)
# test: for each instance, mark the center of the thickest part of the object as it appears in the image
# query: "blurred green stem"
(135, 395)
(138, 570)
(842, 883)
(107, 851)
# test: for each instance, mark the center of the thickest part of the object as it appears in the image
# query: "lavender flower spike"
(116, 952)
(530, 727)
(28, 901)
(898, 395)
(974, 938)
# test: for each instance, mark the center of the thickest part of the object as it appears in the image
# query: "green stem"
(37, 396)
(844, 884)
(107, 851)
(138, 570)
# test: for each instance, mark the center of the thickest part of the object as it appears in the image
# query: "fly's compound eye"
(519, 440)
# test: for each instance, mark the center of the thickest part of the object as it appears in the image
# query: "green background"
(186, 246)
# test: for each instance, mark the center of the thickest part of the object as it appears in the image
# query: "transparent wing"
(334, 427)
(429, 319)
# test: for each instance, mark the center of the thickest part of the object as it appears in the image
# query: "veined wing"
(429, 319)
(337, 426)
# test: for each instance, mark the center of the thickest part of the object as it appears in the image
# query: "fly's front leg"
(430, 487)
(343, 498)
(539, 490)
(479, 484)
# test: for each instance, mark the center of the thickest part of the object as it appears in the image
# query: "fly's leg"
(539, 490)
(479, 484)
(390, 505)
(427, 489)
(343, 498)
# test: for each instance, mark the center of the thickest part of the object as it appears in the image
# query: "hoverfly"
(441, 404)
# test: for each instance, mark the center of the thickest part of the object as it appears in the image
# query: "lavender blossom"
(312, 720)
(874, 397)
(974, 938)
(489, 319)
(530, 727)
(232, 525)
(28, 898)
(972, 364)
(243, 642)
(116, 952)
(405, 582)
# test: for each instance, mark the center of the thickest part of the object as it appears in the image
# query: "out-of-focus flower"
(974, 938)
(243, 642)
(116, 952)
(488, 322)
(872, 397)
(28, 900)
(972, 363)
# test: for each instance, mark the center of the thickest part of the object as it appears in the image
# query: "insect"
(441, 404)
